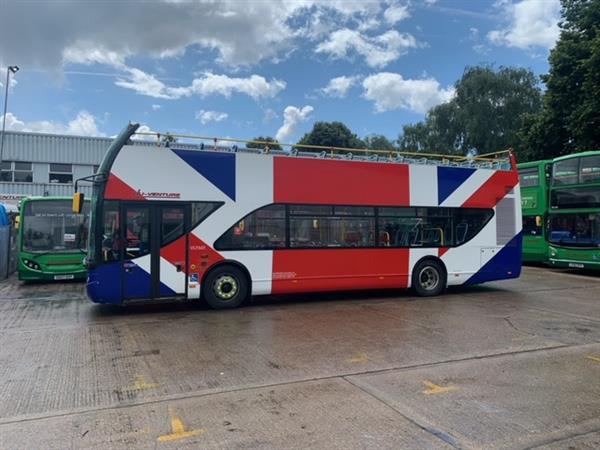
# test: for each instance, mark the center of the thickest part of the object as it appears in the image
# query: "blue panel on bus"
(449, 179)
(104, 283)
(137, 283)
(216, 167)
(505, 264)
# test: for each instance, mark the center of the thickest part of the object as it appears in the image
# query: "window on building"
(262, 229)
(61, 173)
(17, 171)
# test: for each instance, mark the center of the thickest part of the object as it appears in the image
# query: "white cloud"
(378, 51)
(292, 118)
(156, 107)
(240, 33)
(210, 116)
(396, 13)
(254, 86)
(84, 124)
(390, 91)
(532, 23)
(339, 86)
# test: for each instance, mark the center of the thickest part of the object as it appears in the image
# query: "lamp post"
(9, 70)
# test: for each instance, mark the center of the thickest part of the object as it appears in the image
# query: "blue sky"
(243, 69)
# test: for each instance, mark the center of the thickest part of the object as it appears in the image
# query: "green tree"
(332, 134)
(485, 115)
(273, 143)
(378, 142)
(570, 119)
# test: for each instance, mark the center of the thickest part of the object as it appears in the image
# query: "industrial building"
(48, 164)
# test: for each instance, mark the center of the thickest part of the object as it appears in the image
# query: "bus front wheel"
(225, 287)
(429, 278)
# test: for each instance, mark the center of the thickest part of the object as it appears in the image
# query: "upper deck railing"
(500, 160)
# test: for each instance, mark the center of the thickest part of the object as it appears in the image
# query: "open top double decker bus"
(574, 219)
(52, 239)
(223, 223)
(534, 205)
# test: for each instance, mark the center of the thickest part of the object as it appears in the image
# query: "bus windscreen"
(51, 226)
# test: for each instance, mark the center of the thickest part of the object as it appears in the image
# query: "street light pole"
(9, 70)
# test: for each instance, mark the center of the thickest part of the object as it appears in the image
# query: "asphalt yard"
(511, 364)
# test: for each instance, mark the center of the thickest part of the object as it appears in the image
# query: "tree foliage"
(485, 115)
(273, 143)
(378, 142)
(570, 118)
(332, 134)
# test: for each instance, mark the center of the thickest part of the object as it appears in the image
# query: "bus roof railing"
(495, 160)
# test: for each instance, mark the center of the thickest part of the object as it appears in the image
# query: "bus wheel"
(225, 287)
(429, 278)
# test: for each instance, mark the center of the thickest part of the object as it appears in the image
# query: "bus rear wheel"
(429, 278)
(225, 287)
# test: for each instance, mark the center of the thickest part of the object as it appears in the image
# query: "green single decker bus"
(534, 204)
(574, 213)
(52, 239)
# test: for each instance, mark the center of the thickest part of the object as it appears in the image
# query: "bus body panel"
(245, 182)
(534, 205)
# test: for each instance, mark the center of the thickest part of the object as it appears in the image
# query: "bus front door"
(155, 254)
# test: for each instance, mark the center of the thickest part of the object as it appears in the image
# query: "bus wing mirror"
(17, 222)
(78, 202)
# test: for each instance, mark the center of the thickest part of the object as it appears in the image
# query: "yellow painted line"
(433, 388)
(593, 358)
(178, 430)
(360, 357)
(140, 384)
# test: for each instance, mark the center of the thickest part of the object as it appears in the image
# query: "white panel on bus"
(164, 172)
(423, 185)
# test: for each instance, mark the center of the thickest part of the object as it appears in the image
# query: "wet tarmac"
(512, 364)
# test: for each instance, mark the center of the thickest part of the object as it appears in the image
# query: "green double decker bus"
(52, 239)
(534, 204)
(574, 211)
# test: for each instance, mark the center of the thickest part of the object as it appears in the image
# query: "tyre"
(225, 287)
(429, 278)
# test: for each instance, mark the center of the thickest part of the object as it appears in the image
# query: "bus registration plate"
(576, 265)
(64, 277)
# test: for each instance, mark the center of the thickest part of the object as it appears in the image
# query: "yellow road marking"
(593, 358)
(178, 429)
(433, 388)
(140, 384)
(360, 357)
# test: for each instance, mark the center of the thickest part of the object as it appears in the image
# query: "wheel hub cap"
(225, 287)
(429, 278)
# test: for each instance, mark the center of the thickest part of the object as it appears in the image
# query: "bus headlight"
(32, 264)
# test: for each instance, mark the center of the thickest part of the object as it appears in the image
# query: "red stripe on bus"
(318, 181)
(493, 190)
(117, 189)
(442, 250)
(339, 269)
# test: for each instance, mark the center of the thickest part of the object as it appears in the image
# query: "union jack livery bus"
(224, 223)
